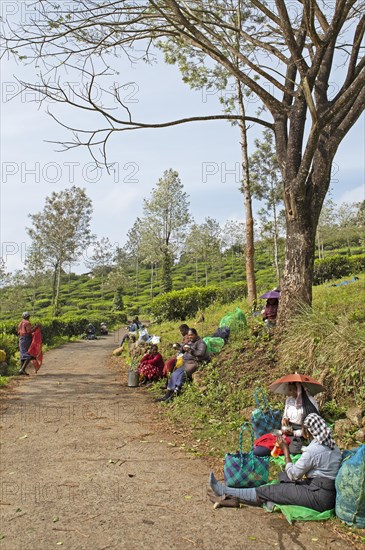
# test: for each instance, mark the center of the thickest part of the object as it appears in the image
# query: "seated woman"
(151, 366)
(132, 331)
(103, 329)
(299, 403)
(270, 312)
(319, 462)
(195, 353)
(90, 332)
(170, 364)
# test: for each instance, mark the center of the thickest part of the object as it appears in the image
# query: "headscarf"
(317, 427)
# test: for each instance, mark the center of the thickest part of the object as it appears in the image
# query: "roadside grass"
(328, 341)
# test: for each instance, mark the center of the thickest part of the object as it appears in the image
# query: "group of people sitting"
(298, 405)
(310, 482)
(191, 352)
(90, 331)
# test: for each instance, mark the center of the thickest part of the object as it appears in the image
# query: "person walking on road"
(25, 331)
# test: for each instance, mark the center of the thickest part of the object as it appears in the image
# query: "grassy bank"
(327, 342)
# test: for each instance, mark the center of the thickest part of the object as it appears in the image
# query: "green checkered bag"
(246, 469)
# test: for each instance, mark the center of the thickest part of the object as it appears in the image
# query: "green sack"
(235, 320)
(214, 344)
(280, 460)
(300, 513)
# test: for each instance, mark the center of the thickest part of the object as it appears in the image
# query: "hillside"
(84, 295)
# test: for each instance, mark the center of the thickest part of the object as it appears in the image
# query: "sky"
(206, 155)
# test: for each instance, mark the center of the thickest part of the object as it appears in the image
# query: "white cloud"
(356, 194)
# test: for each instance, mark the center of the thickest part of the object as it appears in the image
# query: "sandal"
(225, 501)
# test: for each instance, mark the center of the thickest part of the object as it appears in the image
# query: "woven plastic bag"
(350, 488)
(245, 469)
(214, 344)
(264, 419)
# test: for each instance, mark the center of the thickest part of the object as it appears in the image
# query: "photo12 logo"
(69, 172)
(126, 93)
(222, 172)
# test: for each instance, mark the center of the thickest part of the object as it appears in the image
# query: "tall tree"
(201, 74)
(204, 243)
(287, 58)
(233, 239)
(267, 186)
(101, 259)
(61, 232)
(326, 224)
(360, 221)
(346, 219)
(36, 275)
(271, 234)
(4, 276)
(133, 247)
(117, 281)
(165, 218)
(194, 247)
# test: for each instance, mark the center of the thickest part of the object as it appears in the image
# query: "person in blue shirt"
(310, 482)
(132, 331)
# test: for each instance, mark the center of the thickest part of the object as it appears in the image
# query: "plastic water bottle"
(276, 450)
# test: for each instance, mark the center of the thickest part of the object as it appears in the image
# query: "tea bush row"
(67, 325)
(336, 267)
(180, 304)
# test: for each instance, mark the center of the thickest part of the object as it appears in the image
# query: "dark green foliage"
(68, 325)
(45, 302)
(336, 267)
(180, 304)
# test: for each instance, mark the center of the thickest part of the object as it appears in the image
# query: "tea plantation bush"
(9, 343)
(336, 267)
(180, 304)
(67, 325)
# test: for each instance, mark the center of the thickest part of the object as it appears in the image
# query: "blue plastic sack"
(350, 488)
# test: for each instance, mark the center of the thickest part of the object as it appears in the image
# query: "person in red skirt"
(151, 366)
(25, 331)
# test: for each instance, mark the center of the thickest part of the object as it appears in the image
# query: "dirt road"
(83, 468)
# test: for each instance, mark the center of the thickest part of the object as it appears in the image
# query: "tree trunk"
(57, 295)
(137, 275)
(302, 215)
(250, 246)
(151, 288)
(166, 279)
(276, 246)
(319, 245)
(296, 287)
(54, 284)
